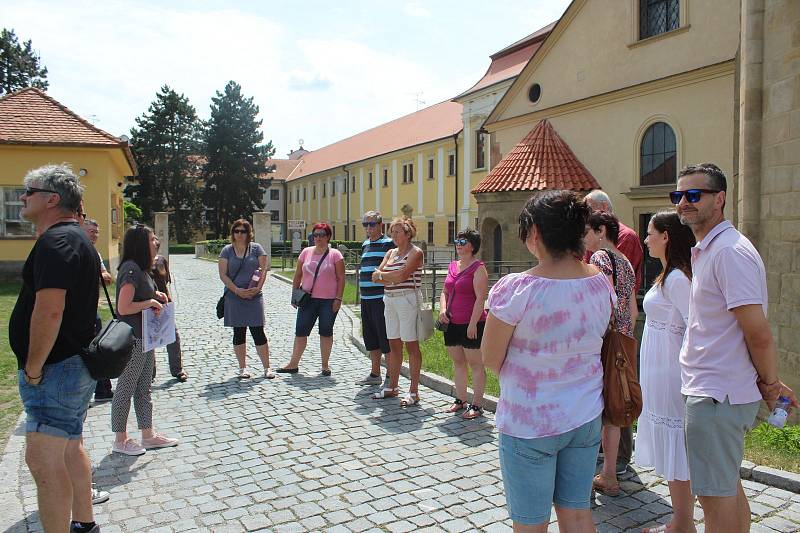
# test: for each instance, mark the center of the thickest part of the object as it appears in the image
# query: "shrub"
(787, 438)
(181, 248)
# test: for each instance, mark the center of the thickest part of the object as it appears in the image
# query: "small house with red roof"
(36, 130)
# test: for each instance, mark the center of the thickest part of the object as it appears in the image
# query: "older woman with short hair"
(320, 272)
(401, 273)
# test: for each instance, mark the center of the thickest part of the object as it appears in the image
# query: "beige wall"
(779, 235)
(594, 50)
(606, 135)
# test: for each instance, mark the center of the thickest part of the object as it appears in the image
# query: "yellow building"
(36, 130)
(406, 166)
(636, 96)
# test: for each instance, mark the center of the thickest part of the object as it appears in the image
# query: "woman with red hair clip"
(320, 273)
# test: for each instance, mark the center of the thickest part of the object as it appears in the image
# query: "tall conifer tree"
(167, 143)
(19, 64)
(236, 158)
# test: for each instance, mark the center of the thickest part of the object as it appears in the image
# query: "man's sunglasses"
(320, 235)
(30, 191)
(369, 224)
(244, 231)
(461, 242)
(692, 195)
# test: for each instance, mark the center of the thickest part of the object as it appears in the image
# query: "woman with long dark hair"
(136, 291)
(660, 439)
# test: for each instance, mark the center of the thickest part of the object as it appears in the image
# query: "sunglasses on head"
(319, 235)
(240, 230)
(30, 191)
(461, 242)
(369, 224)
(692, 195)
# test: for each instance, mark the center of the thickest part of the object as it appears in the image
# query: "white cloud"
(415, 9)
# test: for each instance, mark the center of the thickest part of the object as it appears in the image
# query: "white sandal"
(411, 398)
(269, 373)
(386, 392)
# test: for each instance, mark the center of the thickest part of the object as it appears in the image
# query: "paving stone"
(271, 454)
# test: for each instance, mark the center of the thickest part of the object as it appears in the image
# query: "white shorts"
(400, 312)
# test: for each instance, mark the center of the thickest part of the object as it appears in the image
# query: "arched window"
(658, 161)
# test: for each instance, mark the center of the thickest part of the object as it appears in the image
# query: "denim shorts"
(316, 308)
(542, 471)
(58, 404)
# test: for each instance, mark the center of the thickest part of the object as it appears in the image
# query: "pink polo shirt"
(727, 272)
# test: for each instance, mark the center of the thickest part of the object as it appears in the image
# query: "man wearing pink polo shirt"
(728, 360)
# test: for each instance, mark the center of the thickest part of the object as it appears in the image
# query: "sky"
(319, 71)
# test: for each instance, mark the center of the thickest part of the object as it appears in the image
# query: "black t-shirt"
(62, 258)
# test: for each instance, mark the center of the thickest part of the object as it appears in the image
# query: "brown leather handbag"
(622, 394)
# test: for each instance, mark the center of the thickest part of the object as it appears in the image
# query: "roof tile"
(541, 161)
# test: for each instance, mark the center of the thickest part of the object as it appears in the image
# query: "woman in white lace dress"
(660, 438)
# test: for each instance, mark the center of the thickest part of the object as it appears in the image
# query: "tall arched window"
(658, 161)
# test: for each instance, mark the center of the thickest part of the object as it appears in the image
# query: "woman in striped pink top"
(401, 273)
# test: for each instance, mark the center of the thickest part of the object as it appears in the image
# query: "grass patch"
(10, 405)
(769, 446)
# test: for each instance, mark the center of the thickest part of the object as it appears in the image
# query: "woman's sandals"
(609, 487)
(412, 398)
(386, 393)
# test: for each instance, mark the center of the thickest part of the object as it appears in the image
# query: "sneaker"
(622, 468)
(269, 373)
(106, 397)
(99, 496)
(95, 529)
(243, 373)
(371, 379)
(159, 441)
(129, 447)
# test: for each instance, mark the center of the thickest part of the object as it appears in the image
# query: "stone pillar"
(162, 232)
(262, 227)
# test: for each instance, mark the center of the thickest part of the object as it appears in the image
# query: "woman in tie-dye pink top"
(543, 336)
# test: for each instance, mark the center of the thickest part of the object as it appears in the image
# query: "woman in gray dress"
(241, 262)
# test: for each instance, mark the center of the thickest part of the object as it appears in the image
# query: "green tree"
(166, 143)
(236, 158)
(132, 211)
(19, 65)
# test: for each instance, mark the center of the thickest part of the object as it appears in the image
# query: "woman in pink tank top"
(463, 316)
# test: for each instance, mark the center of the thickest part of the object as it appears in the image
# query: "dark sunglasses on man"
(369, 224)
(30, 191)
(692, 195)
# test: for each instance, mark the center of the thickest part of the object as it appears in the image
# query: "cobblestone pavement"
(309, 453)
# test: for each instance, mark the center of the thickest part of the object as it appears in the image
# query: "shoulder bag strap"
(611, 257)
(246, 253)
(108, 299)
(316, 272)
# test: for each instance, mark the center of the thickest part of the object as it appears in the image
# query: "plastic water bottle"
(780, 413)
(255, 279)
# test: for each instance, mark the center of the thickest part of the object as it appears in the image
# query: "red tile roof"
(283, 168)
(430, 124)
(510, 61)
(541, 161)
(31, 117)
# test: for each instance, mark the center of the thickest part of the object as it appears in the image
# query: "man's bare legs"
(726, 513)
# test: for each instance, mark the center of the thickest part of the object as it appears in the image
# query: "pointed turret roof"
(541, 161)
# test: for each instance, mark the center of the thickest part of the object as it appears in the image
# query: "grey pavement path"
(309, 453)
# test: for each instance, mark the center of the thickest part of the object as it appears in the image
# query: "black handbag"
(301, 298)
(109, 352)
(221, 301)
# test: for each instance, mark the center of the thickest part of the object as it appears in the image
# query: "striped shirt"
(372, 254)
(397, 263)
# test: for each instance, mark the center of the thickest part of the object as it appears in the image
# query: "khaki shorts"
(715, 443)
(400, 311)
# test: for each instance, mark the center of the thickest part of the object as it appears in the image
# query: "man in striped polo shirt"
(373, 250)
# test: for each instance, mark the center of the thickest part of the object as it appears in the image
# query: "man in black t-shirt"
(52, 321)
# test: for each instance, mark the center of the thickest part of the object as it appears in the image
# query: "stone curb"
(748, 471)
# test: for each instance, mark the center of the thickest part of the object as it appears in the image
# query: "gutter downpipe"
(455, 201)
(347, 188)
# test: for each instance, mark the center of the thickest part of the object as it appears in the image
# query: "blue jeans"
(58, 404)
(546, 470)
(307, 315)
